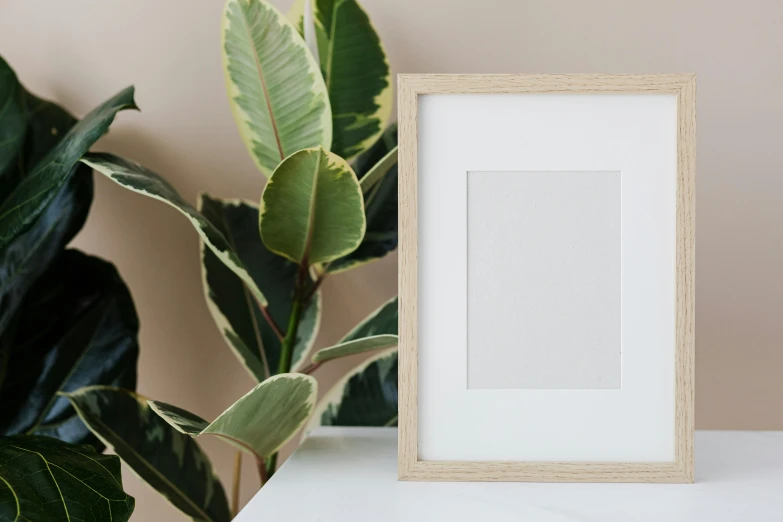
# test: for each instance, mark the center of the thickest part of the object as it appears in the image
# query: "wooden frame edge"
(681, 470)
(407, 280)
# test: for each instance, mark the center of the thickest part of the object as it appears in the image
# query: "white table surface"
(350, 475)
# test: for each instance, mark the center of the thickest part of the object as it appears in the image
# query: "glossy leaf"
(172, 463)
(238, 316)
(76, 327)
(377, 172)
(275, 89)
(47, 480)
(312, 209)
(365, 396)
(376, 331)
(356, 71)
(13, 125)
(260, 422)
(140, 179)
(36, 191)
(29, 128)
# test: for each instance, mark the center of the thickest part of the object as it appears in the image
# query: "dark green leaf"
(13, 126)
(36, 190)
(365, 396)
(354, 65)
(236, 313)
(39, 125)
(380, 206)
(47, 480)
(167, 460)
(76, 327)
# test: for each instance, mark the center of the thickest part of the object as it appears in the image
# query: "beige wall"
(81, 51)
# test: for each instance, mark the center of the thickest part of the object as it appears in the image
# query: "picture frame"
(443, 439)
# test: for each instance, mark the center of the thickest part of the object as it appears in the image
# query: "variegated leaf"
(365, 396)
(237, 314)
(262, 421)
(356, 71)
(376, 331)
(377, 172)
(275, 89)
(366, 344)
(167, 460)
(312, 209)
(138, 178)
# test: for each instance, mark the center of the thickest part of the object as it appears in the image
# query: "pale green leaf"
(138, 178)
(170, 462)
(260, 422)
(275, 89)
(237, 315)
(312, 208)
(378, 330)
(365, 344)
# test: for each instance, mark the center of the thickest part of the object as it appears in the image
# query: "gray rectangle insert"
(543, 280)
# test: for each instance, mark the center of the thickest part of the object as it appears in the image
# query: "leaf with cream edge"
(376, 169)
(259, 423)
(170, 462)
(365, 396)
(275, 88)
(36, 191)
(355, 69)
(312, 209)
(376, 331)
(344, 349)
(140, 179)
(237, 315)
(48, 480)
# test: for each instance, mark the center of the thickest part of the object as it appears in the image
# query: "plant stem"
(271, 464)
(287, 346)
(262, 473)
(310, 368)
(315, 287)
(237, 478)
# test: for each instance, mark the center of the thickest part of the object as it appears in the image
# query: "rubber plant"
(311, 111)
(66, 318)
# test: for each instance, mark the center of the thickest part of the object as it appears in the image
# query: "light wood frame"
(410, 86)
